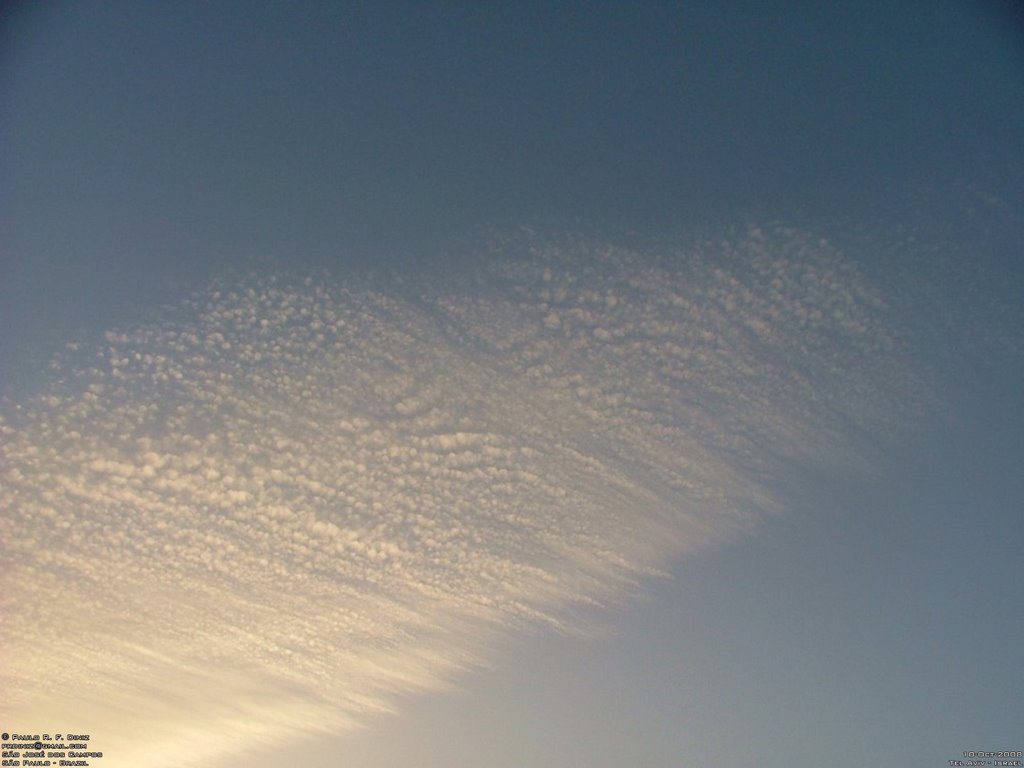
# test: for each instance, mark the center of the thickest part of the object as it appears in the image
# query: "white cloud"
(295, 500)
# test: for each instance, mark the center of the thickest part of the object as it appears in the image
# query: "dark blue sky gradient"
(263, 127)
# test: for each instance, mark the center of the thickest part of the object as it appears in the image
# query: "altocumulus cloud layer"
(272, 511)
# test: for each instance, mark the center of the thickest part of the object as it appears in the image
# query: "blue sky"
(558, 384)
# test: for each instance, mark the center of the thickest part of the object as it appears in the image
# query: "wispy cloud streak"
(270, 513)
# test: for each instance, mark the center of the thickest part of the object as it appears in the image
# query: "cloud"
(273, 511)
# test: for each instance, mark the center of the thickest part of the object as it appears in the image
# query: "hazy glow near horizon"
(294, 498)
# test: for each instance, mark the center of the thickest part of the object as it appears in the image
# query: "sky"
(544, 385)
